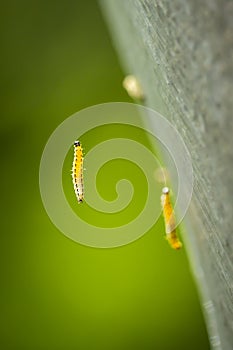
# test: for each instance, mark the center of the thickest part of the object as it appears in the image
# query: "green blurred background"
(57, 58)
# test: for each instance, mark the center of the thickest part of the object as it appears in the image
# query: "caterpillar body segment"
(169, 219)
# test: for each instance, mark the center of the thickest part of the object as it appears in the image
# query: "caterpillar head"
(76, 143)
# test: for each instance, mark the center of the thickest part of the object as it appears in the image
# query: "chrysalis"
(169, 218)
(77, 171)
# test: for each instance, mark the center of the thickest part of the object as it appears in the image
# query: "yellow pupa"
(169, 219)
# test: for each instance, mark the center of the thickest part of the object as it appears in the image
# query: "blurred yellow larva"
(169, 218)
(133, 87)
(77, 171)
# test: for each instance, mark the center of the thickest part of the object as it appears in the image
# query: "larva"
(169, 219)
(77, 172)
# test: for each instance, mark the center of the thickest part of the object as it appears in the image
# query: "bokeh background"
(57, 58)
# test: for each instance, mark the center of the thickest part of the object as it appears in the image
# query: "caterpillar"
(169, 219)
(77, 172)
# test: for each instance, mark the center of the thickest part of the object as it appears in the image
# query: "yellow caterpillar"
(77, 172)
(169, 219)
